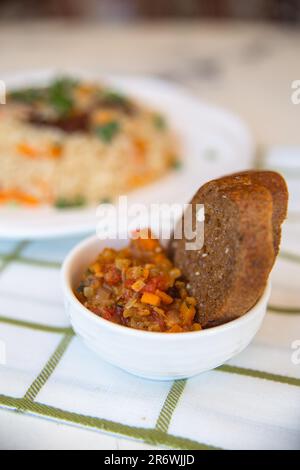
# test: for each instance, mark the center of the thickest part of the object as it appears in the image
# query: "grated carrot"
(27, 150)
(17, 196)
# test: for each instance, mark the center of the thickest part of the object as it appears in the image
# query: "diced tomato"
(97, 311)
(156, 283)
(112, 276)
(109, 313)
(129, 283)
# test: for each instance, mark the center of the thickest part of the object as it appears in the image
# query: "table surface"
(246, 68)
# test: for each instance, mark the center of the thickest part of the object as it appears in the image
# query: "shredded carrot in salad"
(27, 150)
(52, 151)
(19, 197)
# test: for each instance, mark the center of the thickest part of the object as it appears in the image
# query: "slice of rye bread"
(276, 184)
(242, 232)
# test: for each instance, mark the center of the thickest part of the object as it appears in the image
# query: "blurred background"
(239, 54)
(128, 10)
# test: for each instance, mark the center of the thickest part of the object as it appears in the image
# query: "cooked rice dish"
(74, 143)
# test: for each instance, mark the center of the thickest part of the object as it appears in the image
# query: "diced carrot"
(150, 299)
(197, 327)
(96, 268)
(140, 150)
(27, 150)
(29, 200)
(85, 89)
(165, 298)
(144, 240)
(102, 117)
(56, 151)
(188, 313)
(146, 273)
(140, 144)
(137, 180)
(149, 266)
(148, 244)
(175, 329)
(191, 301)
(160, 259)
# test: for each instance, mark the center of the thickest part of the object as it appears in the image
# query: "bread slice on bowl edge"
(242, 231)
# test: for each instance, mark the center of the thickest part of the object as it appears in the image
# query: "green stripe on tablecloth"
(35, 326)
(150, 436)
(284, 379)
(278, 309)
(178, 387)
(16, 256)
(7, 259)
(37, 262)
(157, 436)
(49, 368)
(289, 256)
(235, 370)
(170, 405)
(31, 261)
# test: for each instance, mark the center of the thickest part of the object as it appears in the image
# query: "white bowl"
(156, 356)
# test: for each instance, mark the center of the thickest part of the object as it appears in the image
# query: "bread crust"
(242, 233)
(277, 186)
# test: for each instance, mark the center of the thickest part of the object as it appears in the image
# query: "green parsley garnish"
(112, 97)
(159, 122)
(27, 95)
(108, 131)
(176, 164)
(60, 95)
(64, 203)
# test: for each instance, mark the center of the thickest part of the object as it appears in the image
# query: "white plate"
(214, 142)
